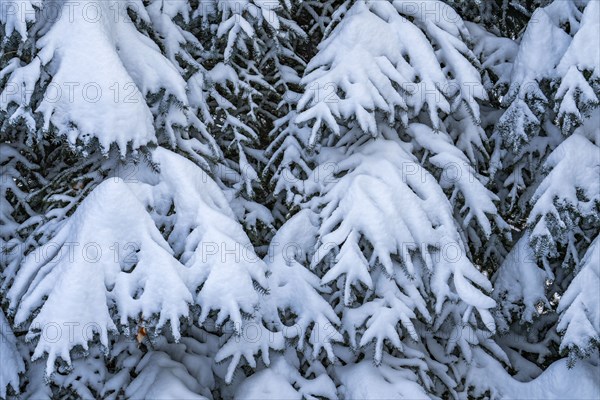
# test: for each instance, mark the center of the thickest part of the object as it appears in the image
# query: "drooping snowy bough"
(299, 199)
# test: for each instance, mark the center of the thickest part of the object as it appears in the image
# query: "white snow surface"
(558, 382)
(100, 66)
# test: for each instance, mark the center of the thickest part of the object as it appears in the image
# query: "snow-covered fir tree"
(549, 173)
(298, 199)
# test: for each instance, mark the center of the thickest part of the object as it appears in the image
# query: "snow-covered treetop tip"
(569, 60)
(128, 271)
(95, 72)
(423, 64)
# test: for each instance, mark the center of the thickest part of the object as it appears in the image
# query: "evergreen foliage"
(301, 199)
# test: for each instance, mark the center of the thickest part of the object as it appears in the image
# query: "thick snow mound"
(558, 381)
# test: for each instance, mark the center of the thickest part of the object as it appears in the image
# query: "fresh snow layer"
(559, 381)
